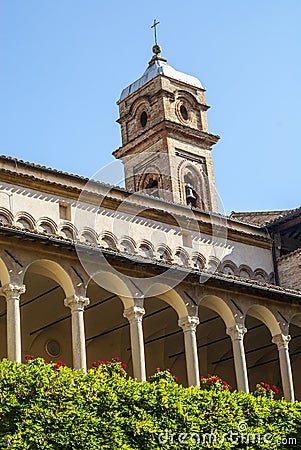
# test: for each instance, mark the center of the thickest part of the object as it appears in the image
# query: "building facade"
(152, 273)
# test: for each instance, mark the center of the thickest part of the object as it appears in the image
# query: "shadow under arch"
(54, 271)
(218, 305)
(107, 330)
(163, 338)
(295, 352)
(114, 284)
(261, 353)
(214, 344)
(264, 315)
(45, 320)
(168, 295)
(4, 279)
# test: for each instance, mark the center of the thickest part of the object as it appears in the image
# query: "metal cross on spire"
(154, 26)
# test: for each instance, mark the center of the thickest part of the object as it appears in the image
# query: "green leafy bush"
(50, 406)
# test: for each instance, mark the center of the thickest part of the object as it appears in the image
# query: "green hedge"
(48, 406)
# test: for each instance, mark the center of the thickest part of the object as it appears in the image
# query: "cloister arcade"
(51, 308)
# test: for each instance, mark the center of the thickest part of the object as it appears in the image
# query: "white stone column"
(12, 293)
(134, 316)
(77, 306)
(282, 342)
(189, 325)
(237, 333)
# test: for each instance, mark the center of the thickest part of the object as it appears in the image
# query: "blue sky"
(64, 64)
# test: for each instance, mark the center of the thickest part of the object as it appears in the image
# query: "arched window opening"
(152, 187)
(190, 193)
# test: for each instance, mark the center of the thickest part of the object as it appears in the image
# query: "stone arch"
(68, 231)
(197, 261)
(111, 282)
(139, 104)
(264, 315)
(151, 181)
(164, 253)
(47, 225)
(25, 221)
(4, 274)
(6, 217)
(145, 248)
(228, 267)
(108, 240)
(53, 270)
(218, 305)
(190, 175)
(261, 275)
(212, 264)
(88, 236)
(180, 256)
(127, 244)
(246, 272)
(170, 296)
(188, 97)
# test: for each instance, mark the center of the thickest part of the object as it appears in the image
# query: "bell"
(190, 195)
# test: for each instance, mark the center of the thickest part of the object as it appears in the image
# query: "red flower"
(158, 369)
(176, 379)
(268, 386)
(123, 366)
(101, 362)
(116, 359)
(94, 364)
(29, 357)
(120, 372)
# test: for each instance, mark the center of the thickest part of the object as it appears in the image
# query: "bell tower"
(166, 145)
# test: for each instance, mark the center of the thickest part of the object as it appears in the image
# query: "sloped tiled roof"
(262, 218)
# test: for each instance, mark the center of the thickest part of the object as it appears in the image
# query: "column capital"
(76, 303)
(189, 323)
(134, 314)
(13, 291)
(281, 340)
(236, 332)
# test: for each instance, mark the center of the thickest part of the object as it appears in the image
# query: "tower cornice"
(190, 135)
